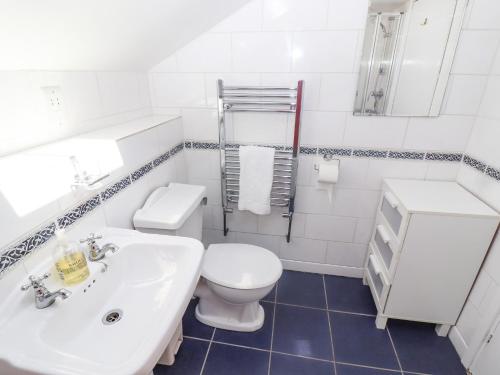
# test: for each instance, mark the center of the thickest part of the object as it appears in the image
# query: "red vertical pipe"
(298, 109)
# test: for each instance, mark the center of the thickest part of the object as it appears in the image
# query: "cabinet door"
(487, 361)
(439, 260)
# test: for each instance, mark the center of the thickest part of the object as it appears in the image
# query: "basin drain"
(111, 317)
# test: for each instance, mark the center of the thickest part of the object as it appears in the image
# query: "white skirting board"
(458, 343)
(328, 269)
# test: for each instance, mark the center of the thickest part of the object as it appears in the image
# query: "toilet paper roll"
(328, 172)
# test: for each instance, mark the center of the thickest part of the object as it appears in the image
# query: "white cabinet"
(428, 243)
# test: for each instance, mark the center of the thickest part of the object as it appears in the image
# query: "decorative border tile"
(188, 144)
(474, 163)
(12, 254)
(370, 154)
(77, 213)
(115, 188)
(443, 156)
(406, 155)
(494, 173)
(141, 172)
(334, 151)
(308, 150)
(205, 145)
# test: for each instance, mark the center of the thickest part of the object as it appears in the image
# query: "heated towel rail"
(259, 99)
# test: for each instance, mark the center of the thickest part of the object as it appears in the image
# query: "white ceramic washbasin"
(151, 279)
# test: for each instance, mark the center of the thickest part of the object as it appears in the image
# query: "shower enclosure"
(377, 63)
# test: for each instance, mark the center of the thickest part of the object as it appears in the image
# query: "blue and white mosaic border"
(14, 253)
(452, 157)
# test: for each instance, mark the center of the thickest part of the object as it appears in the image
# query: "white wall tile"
(355, 202)
(120, 92)
(169, 65)
(464, 94)
(484, 15)
(337, 92)
(311, 200)
(262, 52)
(303, 249)
(332, 228)
(210, 52)
(483, 140)
(322, 128)
(177, 89)
(294, 14)
(352, 172)
(203, 164)
(380, 169)
(347, 14)
(449, 133)
(364, 229)
(260, 127)
(170, 134)
(444, 171)
(277, 225)
(247, 18)
(475, 51)
(495, 69)
(200, 124)
(324, 51)
(377, 132)
(346, 254)
(272, 243)
(467, 322)
(242, 221)
(489, 104)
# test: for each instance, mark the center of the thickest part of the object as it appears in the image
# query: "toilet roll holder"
(326, 157)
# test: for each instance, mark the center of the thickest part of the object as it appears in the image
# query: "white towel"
(256, 179)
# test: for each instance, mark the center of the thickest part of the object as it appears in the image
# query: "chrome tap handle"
(91, 238)
(35, 282)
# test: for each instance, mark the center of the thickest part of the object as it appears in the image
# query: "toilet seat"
(241, 266)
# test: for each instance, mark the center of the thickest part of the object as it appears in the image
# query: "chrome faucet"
(44, 298)
(96, 253)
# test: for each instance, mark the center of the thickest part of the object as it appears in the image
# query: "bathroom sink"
(117, 322)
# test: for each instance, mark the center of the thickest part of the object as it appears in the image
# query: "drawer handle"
(383, 234)
(391, 199)
(375, 264)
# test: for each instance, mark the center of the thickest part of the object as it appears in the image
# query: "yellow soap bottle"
(70, 261)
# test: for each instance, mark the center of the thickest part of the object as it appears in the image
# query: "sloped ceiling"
(101, 34)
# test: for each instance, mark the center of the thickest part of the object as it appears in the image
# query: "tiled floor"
(315, 325)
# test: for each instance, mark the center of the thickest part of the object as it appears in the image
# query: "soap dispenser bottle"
(69, 258)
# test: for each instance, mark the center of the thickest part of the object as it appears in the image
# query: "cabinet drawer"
(386, 246)
(389, 208)
(376, 280)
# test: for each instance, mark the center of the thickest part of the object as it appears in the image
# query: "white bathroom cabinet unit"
(429, 241)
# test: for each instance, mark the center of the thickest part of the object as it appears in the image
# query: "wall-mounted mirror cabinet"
(407, 56)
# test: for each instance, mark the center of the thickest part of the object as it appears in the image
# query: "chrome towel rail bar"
(268, 99)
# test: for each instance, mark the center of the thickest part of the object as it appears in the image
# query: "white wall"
(279, 42)
(117, 211)
(483, 51)
(90, 100)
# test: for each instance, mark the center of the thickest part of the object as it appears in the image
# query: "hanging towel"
(256, 179)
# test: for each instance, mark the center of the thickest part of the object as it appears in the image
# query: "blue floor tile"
(349, 294)
(421, 350)
(270, 296)
(231, 360)
(354, 370)
(301, 288)
(259, 339)
(356, 340)
(192, 327)
(282, 364)
(302, 331)
(188, 361)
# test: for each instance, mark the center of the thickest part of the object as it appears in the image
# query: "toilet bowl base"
(242, 318)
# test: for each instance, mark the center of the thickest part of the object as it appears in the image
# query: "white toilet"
(234, 276)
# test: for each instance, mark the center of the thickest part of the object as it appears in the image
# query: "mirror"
(407, 55)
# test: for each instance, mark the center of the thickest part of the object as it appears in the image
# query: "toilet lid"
(241, 266)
